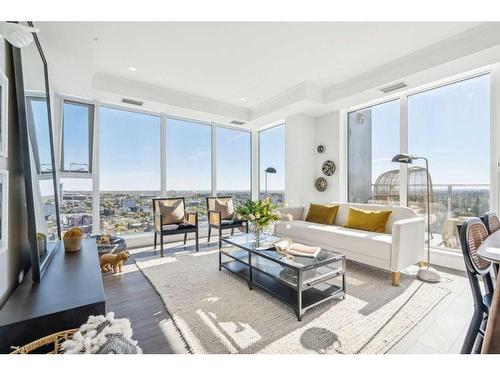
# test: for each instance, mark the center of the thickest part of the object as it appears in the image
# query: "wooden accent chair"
(472, 233)
(187, 223)
(216, 221)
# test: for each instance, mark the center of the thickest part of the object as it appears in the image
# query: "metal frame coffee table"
(302, 283)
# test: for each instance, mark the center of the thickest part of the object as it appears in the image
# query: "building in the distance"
(128, 203)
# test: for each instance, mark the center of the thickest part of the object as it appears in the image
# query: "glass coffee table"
(301, 283)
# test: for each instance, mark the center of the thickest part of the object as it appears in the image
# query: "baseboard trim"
(446, 258)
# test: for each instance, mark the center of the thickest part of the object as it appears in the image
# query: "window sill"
(448, 258)
(147, 238)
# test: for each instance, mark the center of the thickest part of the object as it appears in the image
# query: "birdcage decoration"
(386, 187)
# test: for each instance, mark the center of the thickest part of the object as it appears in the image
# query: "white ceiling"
(228, 61)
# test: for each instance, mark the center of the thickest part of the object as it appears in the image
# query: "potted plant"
(259, 214)
(73, 239)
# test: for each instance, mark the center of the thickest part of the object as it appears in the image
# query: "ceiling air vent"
(236, 122)
(393, 87)
(132, 101)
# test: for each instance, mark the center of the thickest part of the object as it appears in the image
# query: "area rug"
(215, 312)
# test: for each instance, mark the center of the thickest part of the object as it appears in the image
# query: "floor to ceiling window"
(129, 158)
(134, 146)
(272, 163)
(373, 139)
(189, 163)
(450, 126)
(233, 163)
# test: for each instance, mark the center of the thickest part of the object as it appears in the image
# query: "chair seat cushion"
(231, 222)
(180, 226)
(333, 237)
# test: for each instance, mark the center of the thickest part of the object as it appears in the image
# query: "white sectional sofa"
(400, 246)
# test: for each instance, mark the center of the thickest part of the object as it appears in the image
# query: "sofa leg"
(395, 278)
(421, 264)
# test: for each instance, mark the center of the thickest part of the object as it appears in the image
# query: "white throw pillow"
(225, 207)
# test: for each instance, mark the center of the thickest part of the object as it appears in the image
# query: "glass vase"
(256, 232)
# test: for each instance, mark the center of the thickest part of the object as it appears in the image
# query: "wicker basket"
(56, 339)
(73, 243)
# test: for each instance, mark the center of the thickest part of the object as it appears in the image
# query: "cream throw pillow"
(172, 211)
(225, 207)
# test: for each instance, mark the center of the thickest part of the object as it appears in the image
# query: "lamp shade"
(270, 170)
(403, 158)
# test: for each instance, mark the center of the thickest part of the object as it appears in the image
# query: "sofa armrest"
(296, 212)
(407, 243)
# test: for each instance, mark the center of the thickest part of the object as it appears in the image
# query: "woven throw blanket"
(103, 335)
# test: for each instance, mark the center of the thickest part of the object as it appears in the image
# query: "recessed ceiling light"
(132, 68)
(243, 99)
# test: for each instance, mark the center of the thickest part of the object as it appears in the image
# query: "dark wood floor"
(130, 295)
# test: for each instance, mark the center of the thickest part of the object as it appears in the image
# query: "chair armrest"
(407, 243)
(296, 212)
(157, 220)
(214, 217)
(192, 217)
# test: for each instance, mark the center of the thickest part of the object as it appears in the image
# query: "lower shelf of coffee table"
(310, 297)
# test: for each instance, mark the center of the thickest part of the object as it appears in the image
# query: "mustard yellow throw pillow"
(373, 221)
(322, 214)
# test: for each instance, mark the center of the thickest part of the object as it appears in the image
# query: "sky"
(272, 154)
(76, 136)
(40, 116)
(130, 152)
(449, 125)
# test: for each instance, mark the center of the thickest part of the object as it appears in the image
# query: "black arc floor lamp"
(269, 170)
(424, 273)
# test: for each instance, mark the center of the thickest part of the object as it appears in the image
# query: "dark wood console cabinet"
(69, 292)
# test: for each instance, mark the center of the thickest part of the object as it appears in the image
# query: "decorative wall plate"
(328, 168)
(320, 149)
(321, 184)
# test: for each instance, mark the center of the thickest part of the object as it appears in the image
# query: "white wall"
(303, 163)
(327, 133)
(299, 158)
